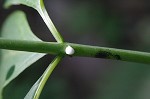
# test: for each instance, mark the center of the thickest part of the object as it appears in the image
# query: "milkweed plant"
(27, 48)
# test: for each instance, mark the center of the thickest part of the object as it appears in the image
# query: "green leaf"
(39, 6)
(31, 93)
(37, 88)
(12, 63)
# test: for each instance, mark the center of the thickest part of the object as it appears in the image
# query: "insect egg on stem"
(69, 50)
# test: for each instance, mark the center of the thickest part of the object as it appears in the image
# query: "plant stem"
(31, 46)
(46, 75)
(42, 11)
(80, 50)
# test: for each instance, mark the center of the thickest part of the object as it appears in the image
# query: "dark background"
(123, 24)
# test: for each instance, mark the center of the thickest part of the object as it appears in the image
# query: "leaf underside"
(32, 92)
(12, 63)
(39, 6)
(36, 89)
(21, 60)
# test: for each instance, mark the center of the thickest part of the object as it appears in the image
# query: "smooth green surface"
(37, 88)
(39, 6)
(12, 63)
(32, 46)
(31, 3)
(80, 50)
(31, 93)
(111, 53)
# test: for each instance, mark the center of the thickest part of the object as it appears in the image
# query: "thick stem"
(31, 46)
(80, 50)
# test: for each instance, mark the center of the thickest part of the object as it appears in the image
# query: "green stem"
(31, 46)
(46, 75)
(80, 50)
(49, 23)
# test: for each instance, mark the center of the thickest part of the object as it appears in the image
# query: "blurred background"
(123, 24)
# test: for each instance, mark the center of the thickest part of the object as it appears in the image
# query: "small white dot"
(69, 50)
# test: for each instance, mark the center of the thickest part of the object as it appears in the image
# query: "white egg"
(69, 50)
